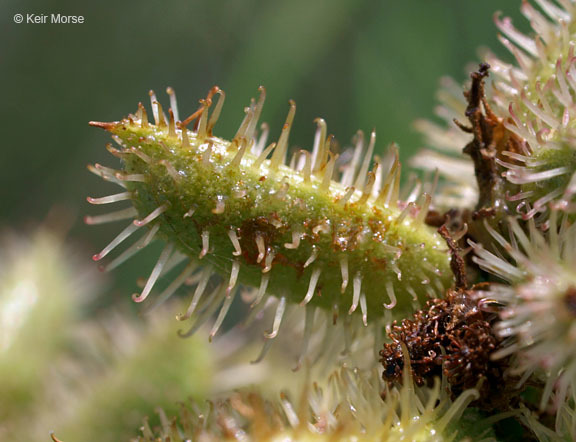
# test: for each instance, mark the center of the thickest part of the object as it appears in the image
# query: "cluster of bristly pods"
(478, 270)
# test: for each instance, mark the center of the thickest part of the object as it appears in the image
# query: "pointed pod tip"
(106, 126)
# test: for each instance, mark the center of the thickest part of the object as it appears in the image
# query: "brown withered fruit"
(452, 337)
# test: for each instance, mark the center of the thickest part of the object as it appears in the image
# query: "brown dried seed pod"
(454, 338)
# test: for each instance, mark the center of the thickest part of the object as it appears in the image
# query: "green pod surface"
(289, 231)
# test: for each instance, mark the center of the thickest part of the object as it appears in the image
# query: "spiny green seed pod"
(538, 316)
(292, 231)
(348, 407)
(523, 128)
(535, 98)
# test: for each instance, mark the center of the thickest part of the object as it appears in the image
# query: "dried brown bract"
(491, 138)
(451, 337)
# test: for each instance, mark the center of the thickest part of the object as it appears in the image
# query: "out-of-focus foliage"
(39, 299)
(87, 377)
(151, 366)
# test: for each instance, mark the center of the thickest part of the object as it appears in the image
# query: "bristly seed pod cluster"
(347, 407)
(306, 234)
(521, 227)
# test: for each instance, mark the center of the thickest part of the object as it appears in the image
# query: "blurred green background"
(359, 64)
